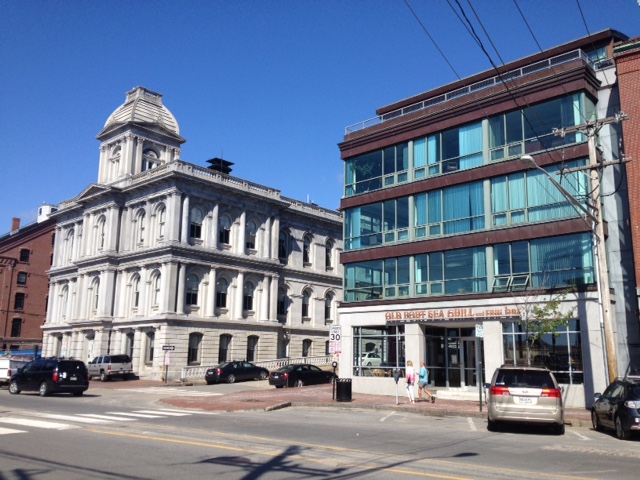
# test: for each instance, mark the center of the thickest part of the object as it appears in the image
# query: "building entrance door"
(452, 357)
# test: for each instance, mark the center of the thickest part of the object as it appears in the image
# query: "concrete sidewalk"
(265, 398)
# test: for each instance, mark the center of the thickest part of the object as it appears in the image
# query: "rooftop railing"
(475, 87)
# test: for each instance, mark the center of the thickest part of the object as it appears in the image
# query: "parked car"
(110, 366)
(232, 371)
(522, 394)
(299, 376)
(371, 359)
(51, 375)
(9, 365)
(618, 408)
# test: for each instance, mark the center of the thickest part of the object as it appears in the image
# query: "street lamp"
(604, 299)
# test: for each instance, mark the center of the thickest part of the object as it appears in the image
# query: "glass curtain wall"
(382, 347)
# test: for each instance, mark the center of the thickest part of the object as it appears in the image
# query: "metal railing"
(490, 82)
(197, 372)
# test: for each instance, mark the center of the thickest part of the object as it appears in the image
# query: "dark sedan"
(299, 376)
(233, 371)
(618, 408)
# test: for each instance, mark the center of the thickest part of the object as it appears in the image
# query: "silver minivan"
(523, 394)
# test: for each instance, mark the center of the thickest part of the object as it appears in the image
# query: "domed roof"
(144, 106)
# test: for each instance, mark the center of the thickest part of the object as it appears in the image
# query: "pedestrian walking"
(411, 380)
(423, 381)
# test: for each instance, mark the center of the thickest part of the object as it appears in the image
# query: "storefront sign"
(436, 314)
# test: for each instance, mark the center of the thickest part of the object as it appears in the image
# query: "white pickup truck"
(108, 366)
(10, 365)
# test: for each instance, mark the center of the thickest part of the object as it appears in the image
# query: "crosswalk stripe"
(26, 422)
(73, 418)
(9, 431)
(103, 417)
(170, 414)
(138, 415)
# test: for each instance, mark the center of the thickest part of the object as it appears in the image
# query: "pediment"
(94, 190)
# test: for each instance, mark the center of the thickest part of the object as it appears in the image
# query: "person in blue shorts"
(423, 381)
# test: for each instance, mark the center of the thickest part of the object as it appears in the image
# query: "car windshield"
(524, 378)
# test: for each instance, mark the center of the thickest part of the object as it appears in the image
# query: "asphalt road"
(130, 434)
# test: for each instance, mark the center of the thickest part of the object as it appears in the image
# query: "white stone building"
(162, 252)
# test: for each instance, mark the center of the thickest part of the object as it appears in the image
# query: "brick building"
(627, 58)
(25, 256)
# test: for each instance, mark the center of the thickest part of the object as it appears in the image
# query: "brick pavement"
(268, 398)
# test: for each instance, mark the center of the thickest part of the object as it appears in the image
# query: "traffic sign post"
(335, 339)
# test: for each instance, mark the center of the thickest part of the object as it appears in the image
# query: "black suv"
(51, 375)
(618, 407)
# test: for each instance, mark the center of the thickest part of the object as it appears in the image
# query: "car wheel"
(492, 425)
(263, 375)
(231, 378)
(44, 389)
(621, 433)
(558, 429)
(279, 386)
(209, 382)
(369, 364)
(595, 421)
(77, 394)
(125, 376)
(103, 377)
(13, 388)
(299, 383)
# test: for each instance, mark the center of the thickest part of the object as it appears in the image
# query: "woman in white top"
(411, 380)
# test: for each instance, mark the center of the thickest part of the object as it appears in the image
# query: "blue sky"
(268, 85)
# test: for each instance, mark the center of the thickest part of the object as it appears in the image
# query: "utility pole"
(595, 167)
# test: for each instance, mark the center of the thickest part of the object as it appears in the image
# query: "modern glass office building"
(450, 238)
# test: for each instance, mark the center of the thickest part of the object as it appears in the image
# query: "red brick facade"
(25, 258)
(627, 57)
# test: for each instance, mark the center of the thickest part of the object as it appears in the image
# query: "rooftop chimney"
(15, 224)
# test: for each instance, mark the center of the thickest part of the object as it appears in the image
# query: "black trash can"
(343, 390)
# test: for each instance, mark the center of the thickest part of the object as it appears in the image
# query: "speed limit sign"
(335, 339)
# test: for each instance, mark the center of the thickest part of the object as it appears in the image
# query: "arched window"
(95, 293)
(140, 227)
(222, 287)
(162, 220)
(247, 296)
(135, 291)
(151, 344)
(283, 301)
(250, 235)
(283, 245)
(149, 160)
(328, 304)
(155, 301)
(102, 221)
(306, 296)
(306, 347)
(252, 346)
(306, 250)
(224, 230)
(225, 345)
(69, 244)
(64, 302)
(328, 255)
(195, 225)
(192, 287)
(193, 355)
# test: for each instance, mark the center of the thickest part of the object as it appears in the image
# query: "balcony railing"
(475, 87)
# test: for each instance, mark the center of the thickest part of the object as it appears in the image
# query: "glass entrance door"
(452, 357)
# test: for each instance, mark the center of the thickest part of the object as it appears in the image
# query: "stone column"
(241, 248)
(265, 243)
(215, 218)
(184, 232)
(275, 237)
(211, 294)
(182, 277)
(265, 298)
(239, 294)
(273, 304)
